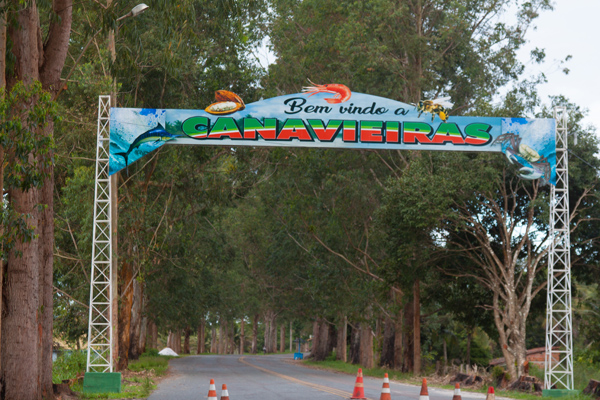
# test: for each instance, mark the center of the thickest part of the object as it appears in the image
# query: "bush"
(497, 372)
(536, 371)
(150, 353)
(583, 372)
(68, 365)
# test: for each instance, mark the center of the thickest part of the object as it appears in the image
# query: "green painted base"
(102, 382)
(559, 392)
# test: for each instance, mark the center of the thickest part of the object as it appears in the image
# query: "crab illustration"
(533, 166)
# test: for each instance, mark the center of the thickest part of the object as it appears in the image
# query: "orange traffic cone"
(424, 395)
(385, 390)
(359, 387)
(457, 395)
(490, 394)
(224, 393)
(212, 391)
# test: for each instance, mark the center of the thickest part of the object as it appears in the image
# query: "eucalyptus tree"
(27, 58)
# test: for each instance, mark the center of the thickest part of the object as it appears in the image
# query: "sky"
(570, 29)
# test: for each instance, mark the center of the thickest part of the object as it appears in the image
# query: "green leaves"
(27, 153)
(27, 149)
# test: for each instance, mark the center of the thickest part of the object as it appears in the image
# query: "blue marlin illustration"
(155, 135)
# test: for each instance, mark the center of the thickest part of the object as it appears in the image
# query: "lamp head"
(137, 10)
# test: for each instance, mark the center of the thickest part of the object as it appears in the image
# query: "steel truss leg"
(100, 335)
(559, 324)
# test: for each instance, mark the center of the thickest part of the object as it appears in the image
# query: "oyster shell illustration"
(227, 103)
(528, 153)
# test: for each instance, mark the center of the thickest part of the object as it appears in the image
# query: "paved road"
(274, 377)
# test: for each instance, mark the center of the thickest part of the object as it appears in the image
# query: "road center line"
(322, 388)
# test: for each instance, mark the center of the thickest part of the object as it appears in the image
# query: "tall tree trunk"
(222, 343)
(520, 358)
(201, 345)
(186, 342)
(153, 331)
(512, 339)
(270, 332)
(170, 340)
(469, 338)
(254, 349)
(378, 339)
(55, 52)
(282, 338)
(355, 344)
(225, 337)
(21, 325)
(417, 327)
(232, 345)
(220, 338)
(45, 279)
(366, 345)
(213, 339)
(126, 294)
(273, 335)
(332, 339)
(408, 337)
(388, 345)
(143, 336)
(323, 344)
(445, 349)
(398, 332)
(266, 334)
(2, 155)
(291, 336)
(315, 337)
(340, 348)
(242, 337)
(178, 341)
(45, 284)
(136, 320)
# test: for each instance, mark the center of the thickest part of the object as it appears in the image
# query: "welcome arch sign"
(322, 118)
(331, 116)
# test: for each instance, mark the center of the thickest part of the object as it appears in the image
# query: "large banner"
(331, 116)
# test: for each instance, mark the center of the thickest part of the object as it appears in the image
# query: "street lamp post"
(114, 198)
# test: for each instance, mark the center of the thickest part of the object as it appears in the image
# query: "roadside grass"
(148, 366)
(351, 369)
(158, 364)
(138, 388)
(376, 372)
(137, 382)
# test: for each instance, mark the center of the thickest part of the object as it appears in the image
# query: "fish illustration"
(155, 135)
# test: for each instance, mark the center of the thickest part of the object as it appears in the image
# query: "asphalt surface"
(274, 377)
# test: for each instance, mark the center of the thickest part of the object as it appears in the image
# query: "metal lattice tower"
(559, 323)
(99, 355)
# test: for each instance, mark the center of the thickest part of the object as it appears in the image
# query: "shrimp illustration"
(342, 93)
